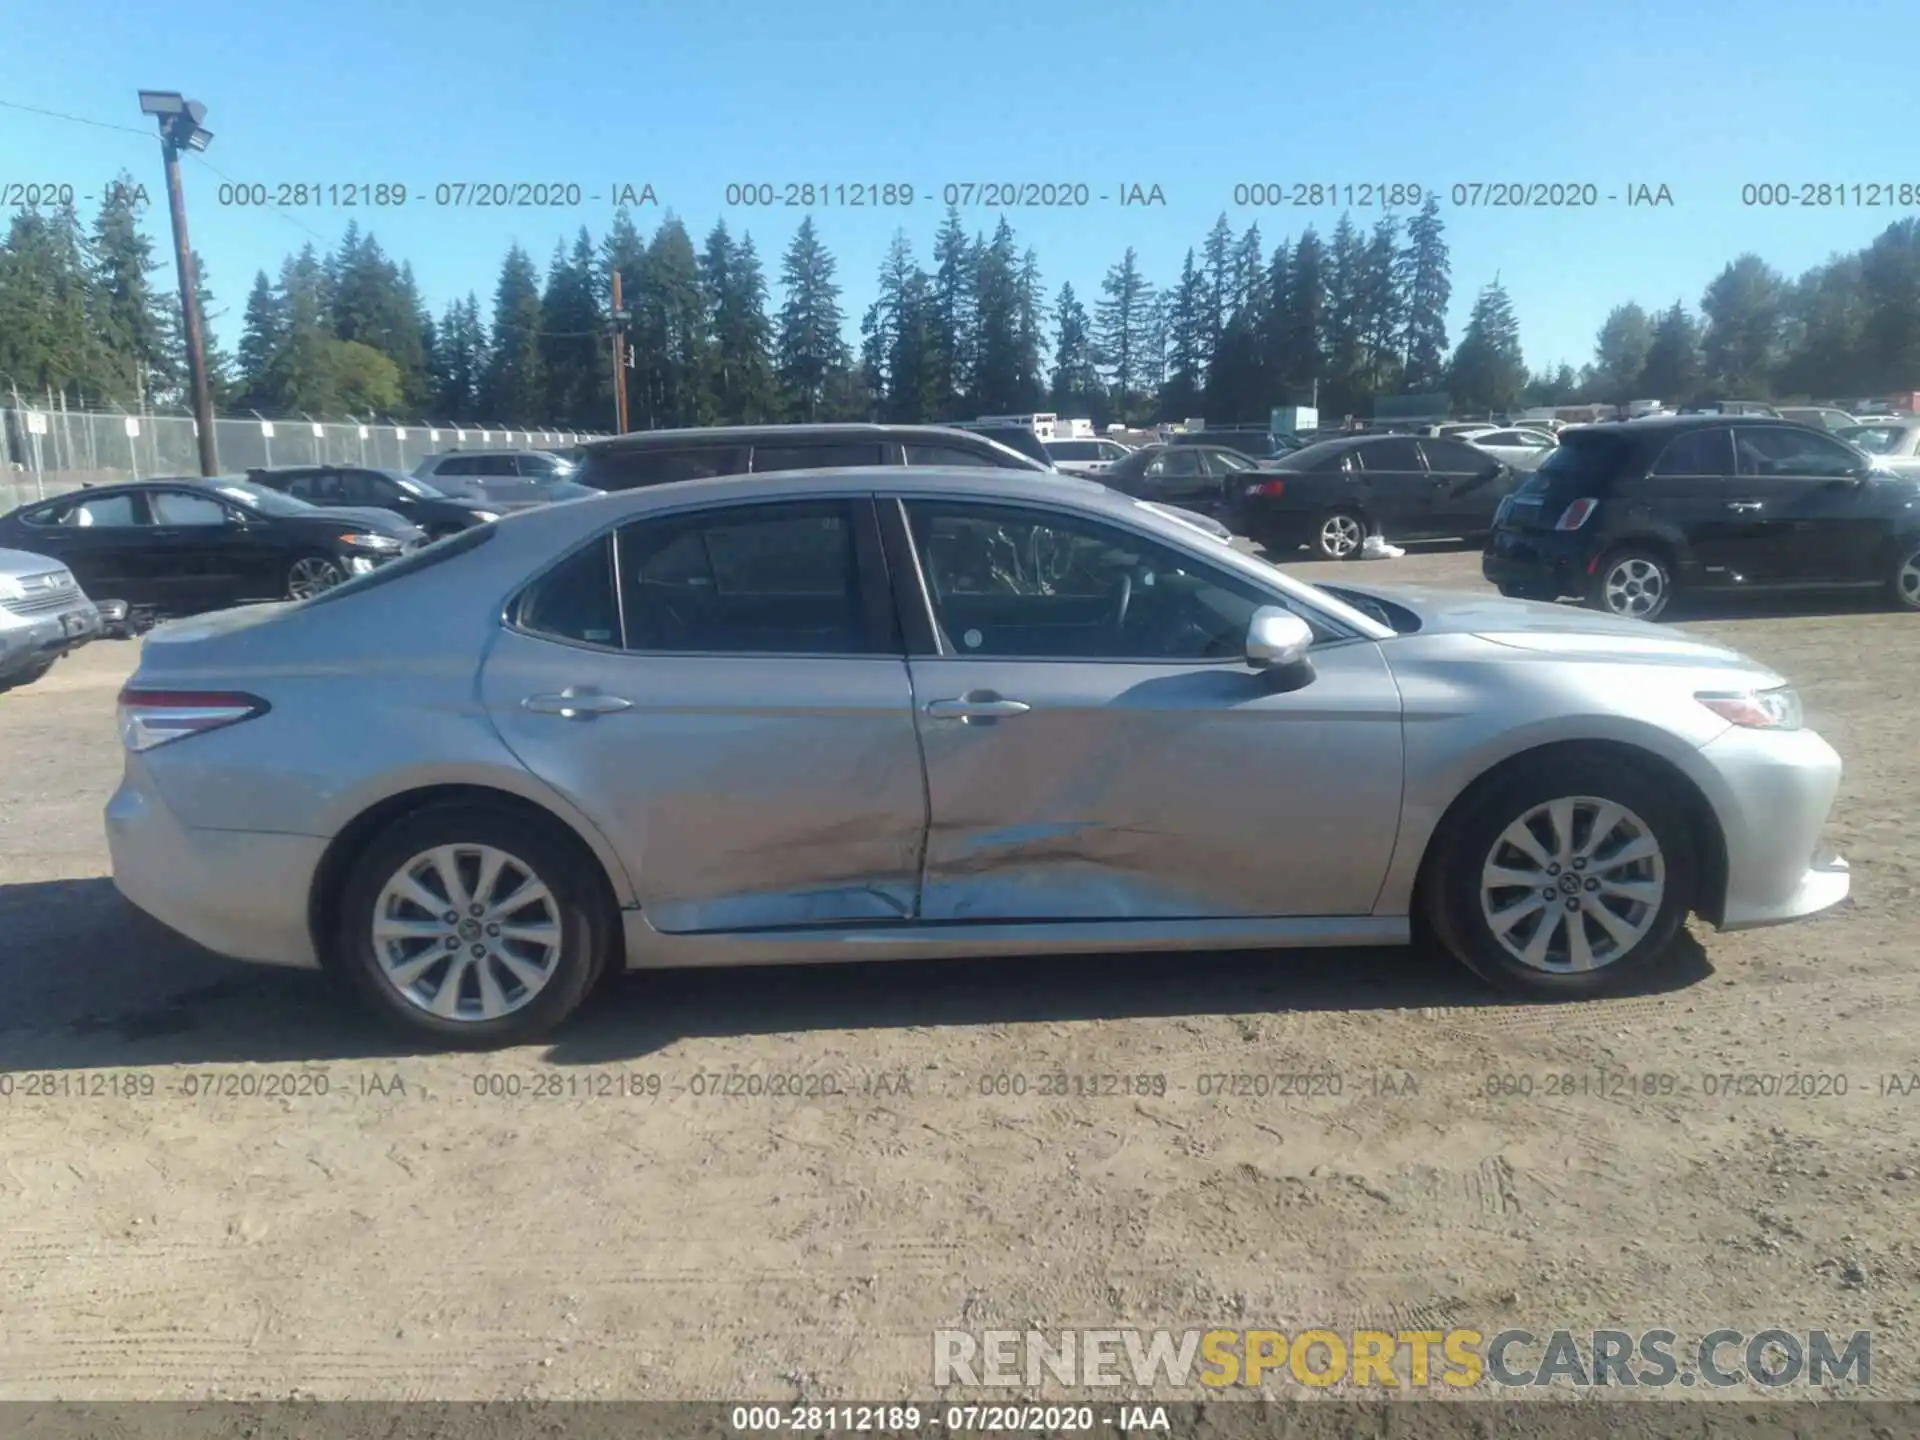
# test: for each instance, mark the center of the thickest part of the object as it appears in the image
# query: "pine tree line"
(1335, 320)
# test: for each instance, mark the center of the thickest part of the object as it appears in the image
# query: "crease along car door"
(751, 750)
(1140, 770)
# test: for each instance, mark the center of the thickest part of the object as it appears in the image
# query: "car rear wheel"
(1564, 878)
(309, 575)
(1634, 583)
(1905, 581)
(472, 925)
(1340, 535)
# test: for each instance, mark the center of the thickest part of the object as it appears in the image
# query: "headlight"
(370, 542)
(487, 515)
(1776, 709)
(11, 588)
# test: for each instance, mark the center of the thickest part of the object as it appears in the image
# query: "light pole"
(180, 127)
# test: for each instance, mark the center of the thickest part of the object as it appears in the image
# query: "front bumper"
(1776, 789)
(26, 640)
(240, 893)
(1535, 564)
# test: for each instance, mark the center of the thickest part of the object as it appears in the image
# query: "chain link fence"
(47, 451)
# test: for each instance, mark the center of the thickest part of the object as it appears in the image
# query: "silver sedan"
(842, 715)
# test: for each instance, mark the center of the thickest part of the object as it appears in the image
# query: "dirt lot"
(430, 1227)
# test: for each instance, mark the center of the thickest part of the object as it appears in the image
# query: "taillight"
(1270, 487)
(153, 717)
(1575, 515)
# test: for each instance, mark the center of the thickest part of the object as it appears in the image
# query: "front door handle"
(1744, 505)
(576, 702)
(976, 707)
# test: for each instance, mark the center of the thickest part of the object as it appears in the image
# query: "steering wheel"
(1125, 599)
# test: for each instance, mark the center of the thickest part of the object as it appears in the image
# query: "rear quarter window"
(1580, 458)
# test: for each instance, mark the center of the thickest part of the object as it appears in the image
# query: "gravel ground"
(536, 1223)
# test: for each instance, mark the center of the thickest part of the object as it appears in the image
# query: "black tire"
(1346, 523)
(25, 677)
(1512, 592)
(303, 568)
(1632, 575)
(1452, 895)
(559, 862)
(1903, 585)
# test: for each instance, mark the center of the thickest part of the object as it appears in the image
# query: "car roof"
(736, 434)
(997, 484)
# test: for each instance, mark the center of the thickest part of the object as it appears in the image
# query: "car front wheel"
(310, 575)
(474, 926)
(1565, 877)
(1905, 581)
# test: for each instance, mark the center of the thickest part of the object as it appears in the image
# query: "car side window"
(1180, 460)
(1455, 457)
(1779, 451)
(1225, 462)
(574, 600)
(364, 487)
(457, 465)
(947, 455)
(1698, 452)
(175, 507)
(773, 579)
(495, 465)
(1391, 456)
(108, 512)
(1015, 582)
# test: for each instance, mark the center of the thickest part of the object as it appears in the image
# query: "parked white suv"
(43, 614)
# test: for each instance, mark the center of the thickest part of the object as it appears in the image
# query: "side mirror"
(1277, 639)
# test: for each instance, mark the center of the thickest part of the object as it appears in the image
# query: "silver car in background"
(860, 714)
(44, 614)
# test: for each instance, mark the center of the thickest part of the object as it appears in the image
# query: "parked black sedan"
(1627, 516)
(1333, 494)
(337, 487)
(1199, 477)
(174, 547)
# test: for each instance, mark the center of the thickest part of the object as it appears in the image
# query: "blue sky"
(1195, 97)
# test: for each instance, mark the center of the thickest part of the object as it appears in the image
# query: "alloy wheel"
(467, 932)
(312, 574)
(1341, 535)
(1908, 581)
(1635, 586)
(1573, 885)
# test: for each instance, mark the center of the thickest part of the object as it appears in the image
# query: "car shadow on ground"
(94, 984)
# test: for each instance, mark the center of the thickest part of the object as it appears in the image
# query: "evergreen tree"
(460, 358)
(1305, 326)
(669, 381)
(1488, 371)
(811, 357)
(263, 333)
(1425, 281)
(574, 340)
(742, 337)
(1671, 370)
(301, 378)
(954, 320)
(998, 365)
(1744, 309)
(1188, 350)
(1123, 317)
(1343, 383)
(1275, 358)
(1620, 354)
(900, 358)
(1076, 388)
(1030, 341)
(1218, 270)
(1890, 329)
(46, 341)
(513, 391)
(130, 319)
(1380, 309)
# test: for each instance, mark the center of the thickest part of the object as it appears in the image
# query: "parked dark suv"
(1626, 516)
(332, 487)
(660, 457)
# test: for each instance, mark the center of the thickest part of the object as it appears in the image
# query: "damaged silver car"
(857, 715)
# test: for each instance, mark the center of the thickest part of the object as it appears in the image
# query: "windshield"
(1874, 439)
(257, 497)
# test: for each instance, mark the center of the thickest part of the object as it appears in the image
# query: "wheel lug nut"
(453, 917)
(1579, 864)
(453, 942)
(1593, 884)
(476, 909)
(478, 951)
(1573, 904)
(493, 929)
(1553, 869)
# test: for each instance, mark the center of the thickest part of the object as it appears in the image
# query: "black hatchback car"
(334, 487)
(660, 457)
(1333, 494)
(1626, 516)
(174, 547)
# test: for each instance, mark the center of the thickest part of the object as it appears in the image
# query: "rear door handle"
(576, 702)
(976, 708)
(1746, 505)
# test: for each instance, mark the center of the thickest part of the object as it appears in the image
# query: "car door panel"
(1138, 788)
(109, 557)
(1817, 517)
(795, 793)
(1469, 485)
(1399, 494)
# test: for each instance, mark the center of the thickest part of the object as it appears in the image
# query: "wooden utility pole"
(619, 358)
(190, 308)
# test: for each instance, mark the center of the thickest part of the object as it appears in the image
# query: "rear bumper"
(239, 893)
(1540, 565)
(1778, 789)
(26, 641)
